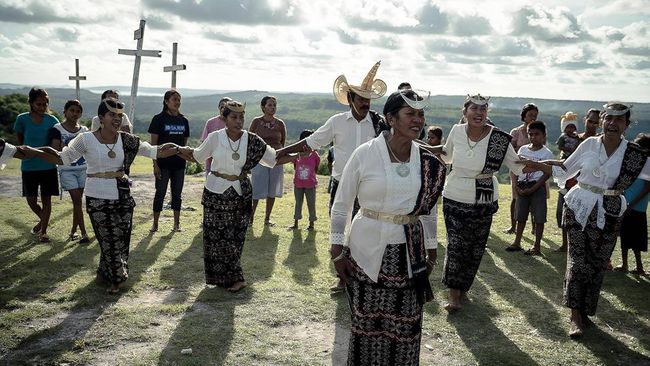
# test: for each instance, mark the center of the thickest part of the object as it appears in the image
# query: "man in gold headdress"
(347, 130)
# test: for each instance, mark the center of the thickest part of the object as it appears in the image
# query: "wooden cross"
(77, 77)
(174, 67)
(138, 53)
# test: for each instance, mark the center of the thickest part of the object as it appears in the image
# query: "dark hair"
(103, 109)
(305, 133)
(168, 94)
(593, 110)
(437, 131)
(72, 102)
(643, 140)
(395, 101)
(538, 125)
(110, 91)
(527, 108)
(404, 85)
(266, 99)
(36, 93)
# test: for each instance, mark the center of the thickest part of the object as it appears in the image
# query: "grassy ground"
(52, 312)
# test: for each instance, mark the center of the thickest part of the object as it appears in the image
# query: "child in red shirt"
(304, 183)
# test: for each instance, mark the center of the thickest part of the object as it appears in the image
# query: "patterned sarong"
(468, 228)
(112, 223)
(225, 222)
(386, 315)
(588, 253)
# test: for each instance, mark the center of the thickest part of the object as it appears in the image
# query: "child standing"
(531, 189)
(566, 143)
(304, 183)
(634, 227)
(72, 177)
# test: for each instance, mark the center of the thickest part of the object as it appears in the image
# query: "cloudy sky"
(550, 49)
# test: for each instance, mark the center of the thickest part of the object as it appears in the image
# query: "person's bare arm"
(156, 168)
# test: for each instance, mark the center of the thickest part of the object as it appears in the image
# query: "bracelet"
(339, 257)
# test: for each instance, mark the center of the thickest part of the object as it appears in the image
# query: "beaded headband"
(477, 99)
(616, 109)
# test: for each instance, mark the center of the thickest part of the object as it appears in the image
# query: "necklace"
(402, 169)
(111, 153)
(235, 152)
(269, 125)
(470, 152)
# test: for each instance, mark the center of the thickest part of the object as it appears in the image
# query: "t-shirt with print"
(170, 129)
(536, 155)
(566, 141)
(306, 167)
(59, 132)
(36, 135)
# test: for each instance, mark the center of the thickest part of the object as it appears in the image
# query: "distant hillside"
(301, 111)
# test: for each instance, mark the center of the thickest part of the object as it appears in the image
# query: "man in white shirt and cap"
(346, 130)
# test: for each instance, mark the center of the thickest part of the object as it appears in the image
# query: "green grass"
(51, 310)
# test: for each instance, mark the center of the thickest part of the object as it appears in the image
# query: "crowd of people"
(388, 173)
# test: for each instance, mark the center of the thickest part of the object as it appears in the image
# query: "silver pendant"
(403, 170)
(596, 172)
(470, 153)
(235, 156)
(111, 154)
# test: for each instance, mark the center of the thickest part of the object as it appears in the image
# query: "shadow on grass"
(341, 330)
(208, 327)
(258, 257)
(186, 270)
(610, 350)
(487, 343)
(302, 258)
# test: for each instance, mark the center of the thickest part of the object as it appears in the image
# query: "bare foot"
(237, 286)
(153, 229)
(577, 329)
(452, 307)
(114, 289)
(36, 229)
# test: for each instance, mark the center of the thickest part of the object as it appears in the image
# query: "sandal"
(177, 229)
(514, 248)
(73, 237)
(509, 231)
(84, 240)
(269, 224)
(532, 252)
(36, 229)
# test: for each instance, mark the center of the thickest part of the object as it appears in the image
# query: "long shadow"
(207, 327)
(302, 257)
(539, 311)
(626, 321)
(186, 270)
(341, 330)
(610, 350)
(258, 257)
(488, 344)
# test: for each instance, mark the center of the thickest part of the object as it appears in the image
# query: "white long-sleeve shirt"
(590, 155)
(460, 184)
(96, 155)
(371, 176)
(347, 134)
(219, 147)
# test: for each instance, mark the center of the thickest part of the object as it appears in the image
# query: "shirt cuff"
(430, 243)
(337, 239)
(7, 153)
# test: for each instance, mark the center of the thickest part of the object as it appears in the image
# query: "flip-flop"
(73, 237)
(84, 240)
(513, 248)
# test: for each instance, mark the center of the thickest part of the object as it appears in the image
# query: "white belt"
(389, 218)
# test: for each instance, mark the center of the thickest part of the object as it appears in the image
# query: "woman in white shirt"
(607, 165)
(109, 154)
(470, 198)
(227, 196)
(390, 248)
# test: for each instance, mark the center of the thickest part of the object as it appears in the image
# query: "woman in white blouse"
(605, 166)
(390, 248)
(109, 154)
(476, 151)
(227, 196)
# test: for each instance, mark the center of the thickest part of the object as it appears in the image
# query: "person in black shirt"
(169, 126)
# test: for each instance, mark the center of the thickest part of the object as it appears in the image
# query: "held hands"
(187, 153)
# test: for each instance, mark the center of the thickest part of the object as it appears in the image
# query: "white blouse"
(96, 155)
(460, 184)
(219, 147)
(591, 155)
(371, 176)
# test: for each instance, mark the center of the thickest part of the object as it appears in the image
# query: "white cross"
(77, 77)
(138, 53)
(174, 67)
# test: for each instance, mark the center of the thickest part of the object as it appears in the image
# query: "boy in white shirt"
(531, 189)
